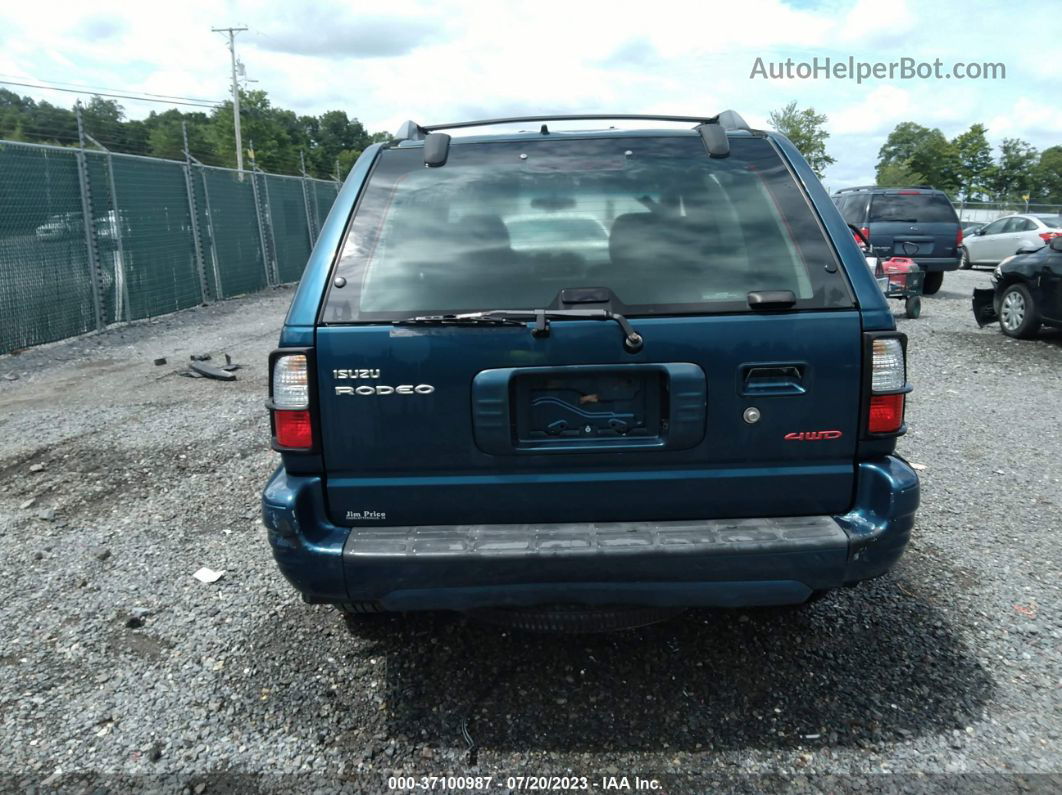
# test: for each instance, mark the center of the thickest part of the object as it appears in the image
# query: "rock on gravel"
(944, 674)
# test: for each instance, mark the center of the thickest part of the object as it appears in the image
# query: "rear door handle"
(772, 379)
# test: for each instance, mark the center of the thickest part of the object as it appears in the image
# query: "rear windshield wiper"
(632, 340)
(455, 320)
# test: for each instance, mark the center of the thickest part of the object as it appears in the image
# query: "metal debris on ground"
(473, 751)
(197, 368)
(210, 371)
(160, 361)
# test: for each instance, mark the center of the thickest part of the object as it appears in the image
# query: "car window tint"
(996, 227)
(511, 224)
(920, 208)
(853, 211)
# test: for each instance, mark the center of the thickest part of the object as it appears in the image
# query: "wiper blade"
(632, 340)
(455, 320)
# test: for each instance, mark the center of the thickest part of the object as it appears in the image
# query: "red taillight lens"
(293, 428)
(958, 237)
(1047, 236)
(886, 413)
(888, 382)
(865, 230)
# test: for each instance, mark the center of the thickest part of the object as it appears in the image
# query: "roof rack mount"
(727, 120)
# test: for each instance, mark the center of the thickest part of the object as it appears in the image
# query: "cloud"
(437, 62)
(1027, 118)
(878, 112)
(878, 23)
(99, 27)
(321, 34)
(633, 52)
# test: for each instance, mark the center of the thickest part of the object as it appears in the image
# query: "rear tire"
(364, 619)
(1019, 316)
(932, 283)
(575, 619)
(964, 259)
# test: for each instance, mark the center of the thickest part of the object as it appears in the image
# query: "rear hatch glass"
(511, 224)
(919, 208)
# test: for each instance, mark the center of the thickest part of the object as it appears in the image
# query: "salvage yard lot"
(119, 479)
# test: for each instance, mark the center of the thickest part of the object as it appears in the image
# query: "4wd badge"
(813, 436)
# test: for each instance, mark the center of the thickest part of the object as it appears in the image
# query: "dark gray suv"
(918, 222)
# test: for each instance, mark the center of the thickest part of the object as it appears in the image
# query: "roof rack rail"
(728, 120)
(879, 187)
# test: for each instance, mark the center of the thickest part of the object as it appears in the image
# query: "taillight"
(865, 231)
(290, 402)
(888, 384)
(293, 428)
(886, 413)
(958, 238)
(1047, 236)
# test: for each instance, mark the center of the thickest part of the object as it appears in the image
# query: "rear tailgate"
(724, 413)
(425, 449)
(914, 224)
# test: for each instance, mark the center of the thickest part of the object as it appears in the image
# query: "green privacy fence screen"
(89, 238)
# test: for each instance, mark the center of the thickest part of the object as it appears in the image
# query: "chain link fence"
(89, 237)
(983, 212)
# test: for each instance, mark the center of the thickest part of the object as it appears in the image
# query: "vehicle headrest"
(632, 237)
(483, 232)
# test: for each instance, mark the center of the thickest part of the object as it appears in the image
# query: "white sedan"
(1004, 237)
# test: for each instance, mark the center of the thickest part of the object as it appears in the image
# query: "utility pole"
(235, 93)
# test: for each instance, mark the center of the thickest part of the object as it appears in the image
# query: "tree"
(278, 135)
(975, 162)
(275, 133)
(1049, 175)
(336, 137)
(924, 151)
(897, 175)
(806, 129)
(166, 136)
(903, 142)
(1016, 173)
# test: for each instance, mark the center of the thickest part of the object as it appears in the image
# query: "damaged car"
(1026, 293)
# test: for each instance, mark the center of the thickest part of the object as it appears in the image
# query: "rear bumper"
(728, 563)
(984, 306)
(938, 263)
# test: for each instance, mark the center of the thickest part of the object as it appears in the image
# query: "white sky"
(446, 61)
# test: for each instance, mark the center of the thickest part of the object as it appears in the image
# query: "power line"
(103, 94)
(104, 88)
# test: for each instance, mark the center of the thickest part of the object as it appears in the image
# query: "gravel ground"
(119, 479)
